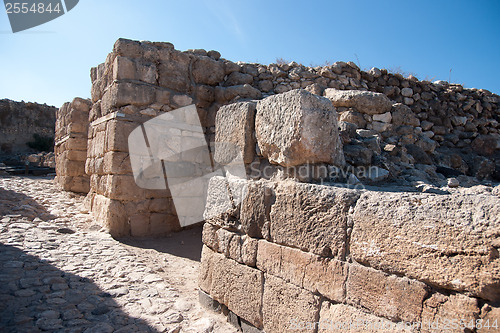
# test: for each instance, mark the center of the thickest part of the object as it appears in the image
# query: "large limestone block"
(76, 143)
(117, 134)
(303, 269)
(344, 318)
(122, 93)
(312, 217)
(450, 241)
(363, 101)
(237, 286)
(235, 129)
(297, 128)
(285, 304)
(395, 298)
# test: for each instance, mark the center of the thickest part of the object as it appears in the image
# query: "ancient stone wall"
(308, 234)
(19, 121)
(71, 145)
(409, 130)
(281, 255)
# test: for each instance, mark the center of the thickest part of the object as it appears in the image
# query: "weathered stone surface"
(491, 317)
(440, 310)
(225, 195)
(112, 213)
(208, 71)
(358, 155)
(117, 163)
(116, 136)
(233, 92)
(403, 115)
(395, 298)
(303, 269)
(122, 93)
(384, 117)
(486, 144)
(128, 48)
(237, 78)
(235, 129)
(312, 217)
(445, 240)
(364, 101)
(284, 304)
(341, 317)
(296, 128)
(256, 208)
(237, 286)
(240, 248)
(209, 236)
(174, 70)
(354, 118)
(418, 154)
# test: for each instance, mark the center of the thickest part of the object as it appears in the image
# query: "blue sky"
(51, 63)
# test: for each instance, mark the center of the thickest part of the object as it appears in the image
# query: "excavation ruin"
(357, 196)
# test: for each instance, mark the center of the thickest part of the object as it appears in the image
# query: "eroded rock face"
(297, 128)
(364, 101)
(19, 121)
(449, 241)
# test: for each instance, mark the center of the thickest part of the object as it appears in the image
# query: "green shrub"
(41, 143)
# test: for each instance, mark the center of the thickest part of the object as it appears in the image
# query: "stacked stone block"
(138, 82)
(71, 145)
(281, 255)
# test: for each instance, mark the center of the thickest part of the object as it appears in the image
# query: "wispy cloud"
(225, 15)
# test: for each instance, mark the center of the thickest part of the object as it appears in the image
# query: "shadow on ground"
(35, 295)
(186, 243)
(15, 203)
